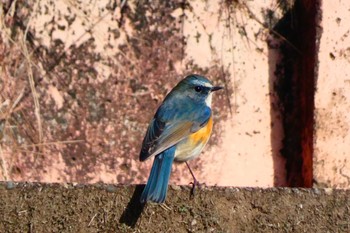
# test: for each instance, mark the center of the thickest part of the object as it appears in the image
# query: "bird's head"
(197, 88)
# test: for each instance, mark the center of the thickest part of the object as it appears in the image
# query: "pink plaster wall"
(247, 154)
(222, 41)
(332, 143)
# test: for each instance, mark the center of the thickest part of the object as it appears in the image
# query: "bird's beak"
(216, 88)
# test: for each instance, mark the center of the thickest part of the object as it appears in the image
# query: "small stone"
(111, 188)
(328, 191)
(194, 222)
(317, 191)
(10, 185)
(175, 187)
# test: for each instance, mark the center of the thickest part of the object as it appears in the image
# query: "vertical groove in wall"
(305, 71)
(295, 87)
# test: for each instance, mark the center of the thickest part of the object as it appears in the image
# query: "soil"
(34, 207)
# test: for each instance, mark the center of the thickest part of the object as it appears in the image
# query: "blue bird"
(179, 131)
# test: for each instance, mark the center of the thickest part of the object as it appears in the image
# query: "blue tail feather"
(157, 184)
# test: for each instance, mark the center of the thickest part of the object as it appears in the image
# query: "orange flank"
(202, 135)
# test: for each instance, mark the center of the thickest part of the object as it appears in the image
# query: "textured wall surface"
(99, 71)
(332, 145)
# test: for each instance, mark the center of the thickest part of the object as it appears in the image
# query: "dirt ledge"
(35, 207)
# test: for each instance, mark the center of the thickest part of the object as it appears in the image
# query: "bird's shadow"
(134, 208)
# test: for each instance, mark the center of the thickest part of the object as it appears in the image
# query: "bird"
(179, 130)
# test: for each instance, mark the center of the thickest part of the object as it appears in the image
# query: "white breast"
(185, 150)
(209, 100)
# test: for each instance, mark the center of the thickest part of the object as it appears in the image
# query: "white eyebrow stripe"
(205, 84)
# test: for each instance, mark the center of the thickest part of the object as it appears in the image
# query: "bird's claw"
(194, 184)
(193, 189)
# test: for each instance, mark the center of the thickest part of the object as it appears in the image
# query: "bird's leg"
(195, 182)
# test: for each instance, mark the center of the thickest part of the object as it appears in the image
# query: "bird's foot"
(194, 184)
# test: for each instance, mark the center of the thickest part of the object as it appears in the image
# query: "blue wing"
(170, 125)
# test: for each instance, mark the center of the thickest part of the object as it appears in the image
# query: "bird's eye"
(198, 88)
